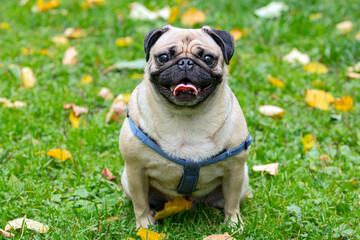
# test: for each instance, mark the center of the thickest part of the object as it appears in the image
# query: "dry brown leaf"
(345, 27)
(118, 108)
(61, 154)
(60, 40)
(272, 111)
(30, 224)
(271, 168)
(27, 77)
(319, 99)
(357, 36)
(173, 207)
(105, 94)
(108, 174)
(70, 57)
(192, 17)
(296, 56)
(325, 157)
(78, 111)
(6, 234)
(139, 11)
(7, 103)
(355, 68)
(75, 33)
(224, 236)
(113, 218)
(149, 235)
(353, 75)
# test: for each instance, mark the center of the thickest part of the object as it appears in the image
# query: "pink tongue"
(185, 88)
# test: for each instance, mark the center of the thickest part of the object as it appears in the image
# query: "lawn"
(311, 197)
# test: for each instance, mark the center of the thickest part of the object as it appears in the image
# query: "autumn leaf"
(70, 57)
(124, 41)
(74, 33)
(316, 67)
(118, 108)
(7, 103)
(344, 104)
(192, 17)
(353, 75)
(6, 234)
(86, 79)
(355, 68)
(92, 3)
(106, 173)
(27, 77)
(272, 111)
(271, 168)
(113, 218)
(345, 27)
(44, 52)
(75, 121)
(149, 235)
(174, 14)
(45, 6)
(139, 11)
(224, 236)
(272, 10)
(4, 26)
(319, 99)
(78, 111)
(275, 81)
(296, 56)
(30, 224)
(136, 76)
(60, 40)
(315, 16)
(61, 154)
(308, 142)
(357, 36)
(105, 94)
(237, 33)
(173, 207)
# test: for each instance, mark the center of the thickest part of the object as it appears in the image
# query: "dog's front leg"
(138, 186)
(233, 187)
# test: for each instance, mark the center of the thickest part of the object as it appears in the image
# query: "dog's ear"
(152, 37)
(224, 39)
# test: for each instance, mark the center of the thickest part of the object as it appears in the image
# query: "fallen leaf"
(272, 111)
(4, 26)
(74, 33)
(86, 79)
(272, 10)
(124, 41)
(316, 67)
(45, 6)
(78, 111)
(173, 207)
(271, 168)
(7, 103)
(118, 108)
(149, 235)
(124, 97)
(275, 81)
(192, 17)
(174, 14)
(353, 75)
(92, 3)
(70, 57)
(27, 51)
(357, 36)
(108, 174)
(315, 16)
(27, 77)
(325, 157)
(296, 56)
(319, 99)
(237, 33)
(61, 154)
(139, 11)
(136, 75)
(105, 94)
(6, 234)
(60, 40)
(344, 104)
(308, 142)
(44, 52)
(113, 218)
(135, 64)
(75, 121)
(355, 68)
(345, 27)
(30, 224)
(224, 236)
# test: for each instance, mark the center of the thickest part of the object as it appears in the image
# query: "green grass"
(306, 200)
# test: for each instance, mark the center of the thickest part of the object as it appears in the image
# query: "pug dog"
(184, 110)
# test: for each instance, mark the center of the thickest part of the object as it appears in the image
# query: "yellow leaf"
(308, 142)
(74, 33)
(272, 111)
(237, 33)
(27, 51)
(149, 235)
(173, 207)
(124, 41)
(61, 154)
(60, 40)
(75, 121)
(27, 77)
(5, 26)
(136, 75)
(316, 67)
(345, 27)
(44, 52)
(70, 57)
(92, 3)
(174, 14)
(275, 81)
(318, 99)
(346, 103)
(224, 236)
(30, 224)
(192, 17)
(43, 7)
(86, 79)
(271, 168)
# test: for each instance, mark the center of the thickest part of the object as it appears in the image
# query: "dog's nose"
(185, 64)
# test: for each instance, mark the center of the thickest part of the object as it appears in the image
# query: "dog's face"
(186, 65)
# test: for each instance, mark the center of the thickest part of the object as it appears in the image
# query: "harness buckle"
(246, 144)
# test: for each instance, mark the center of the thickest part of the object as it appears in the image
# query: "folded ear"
(152, 37)
(224, 39)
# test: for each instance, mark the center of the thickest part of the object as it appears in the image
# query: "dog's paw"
(235, 222)
(145, 221)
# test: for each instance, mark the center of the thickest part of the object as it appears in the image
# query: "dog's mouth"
(186, 88)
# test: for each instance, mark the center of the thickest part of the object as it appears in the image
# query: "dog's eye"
(163, 58)
(209, 60)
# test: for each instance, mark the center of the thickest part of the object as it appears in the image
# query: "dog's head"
(186, 65)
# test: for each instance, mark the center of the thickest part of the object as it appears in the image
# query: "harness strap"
(190, 176)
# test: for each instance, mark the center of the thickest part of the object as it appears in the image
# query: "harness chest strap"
(190, 176)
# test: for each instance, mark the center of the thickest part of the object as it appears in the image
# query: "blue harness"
(191, 169)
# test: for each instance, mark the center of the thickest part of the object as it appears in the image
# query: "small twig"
(99, 225)
(32, 236)
(313, 175)
(107, 231)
